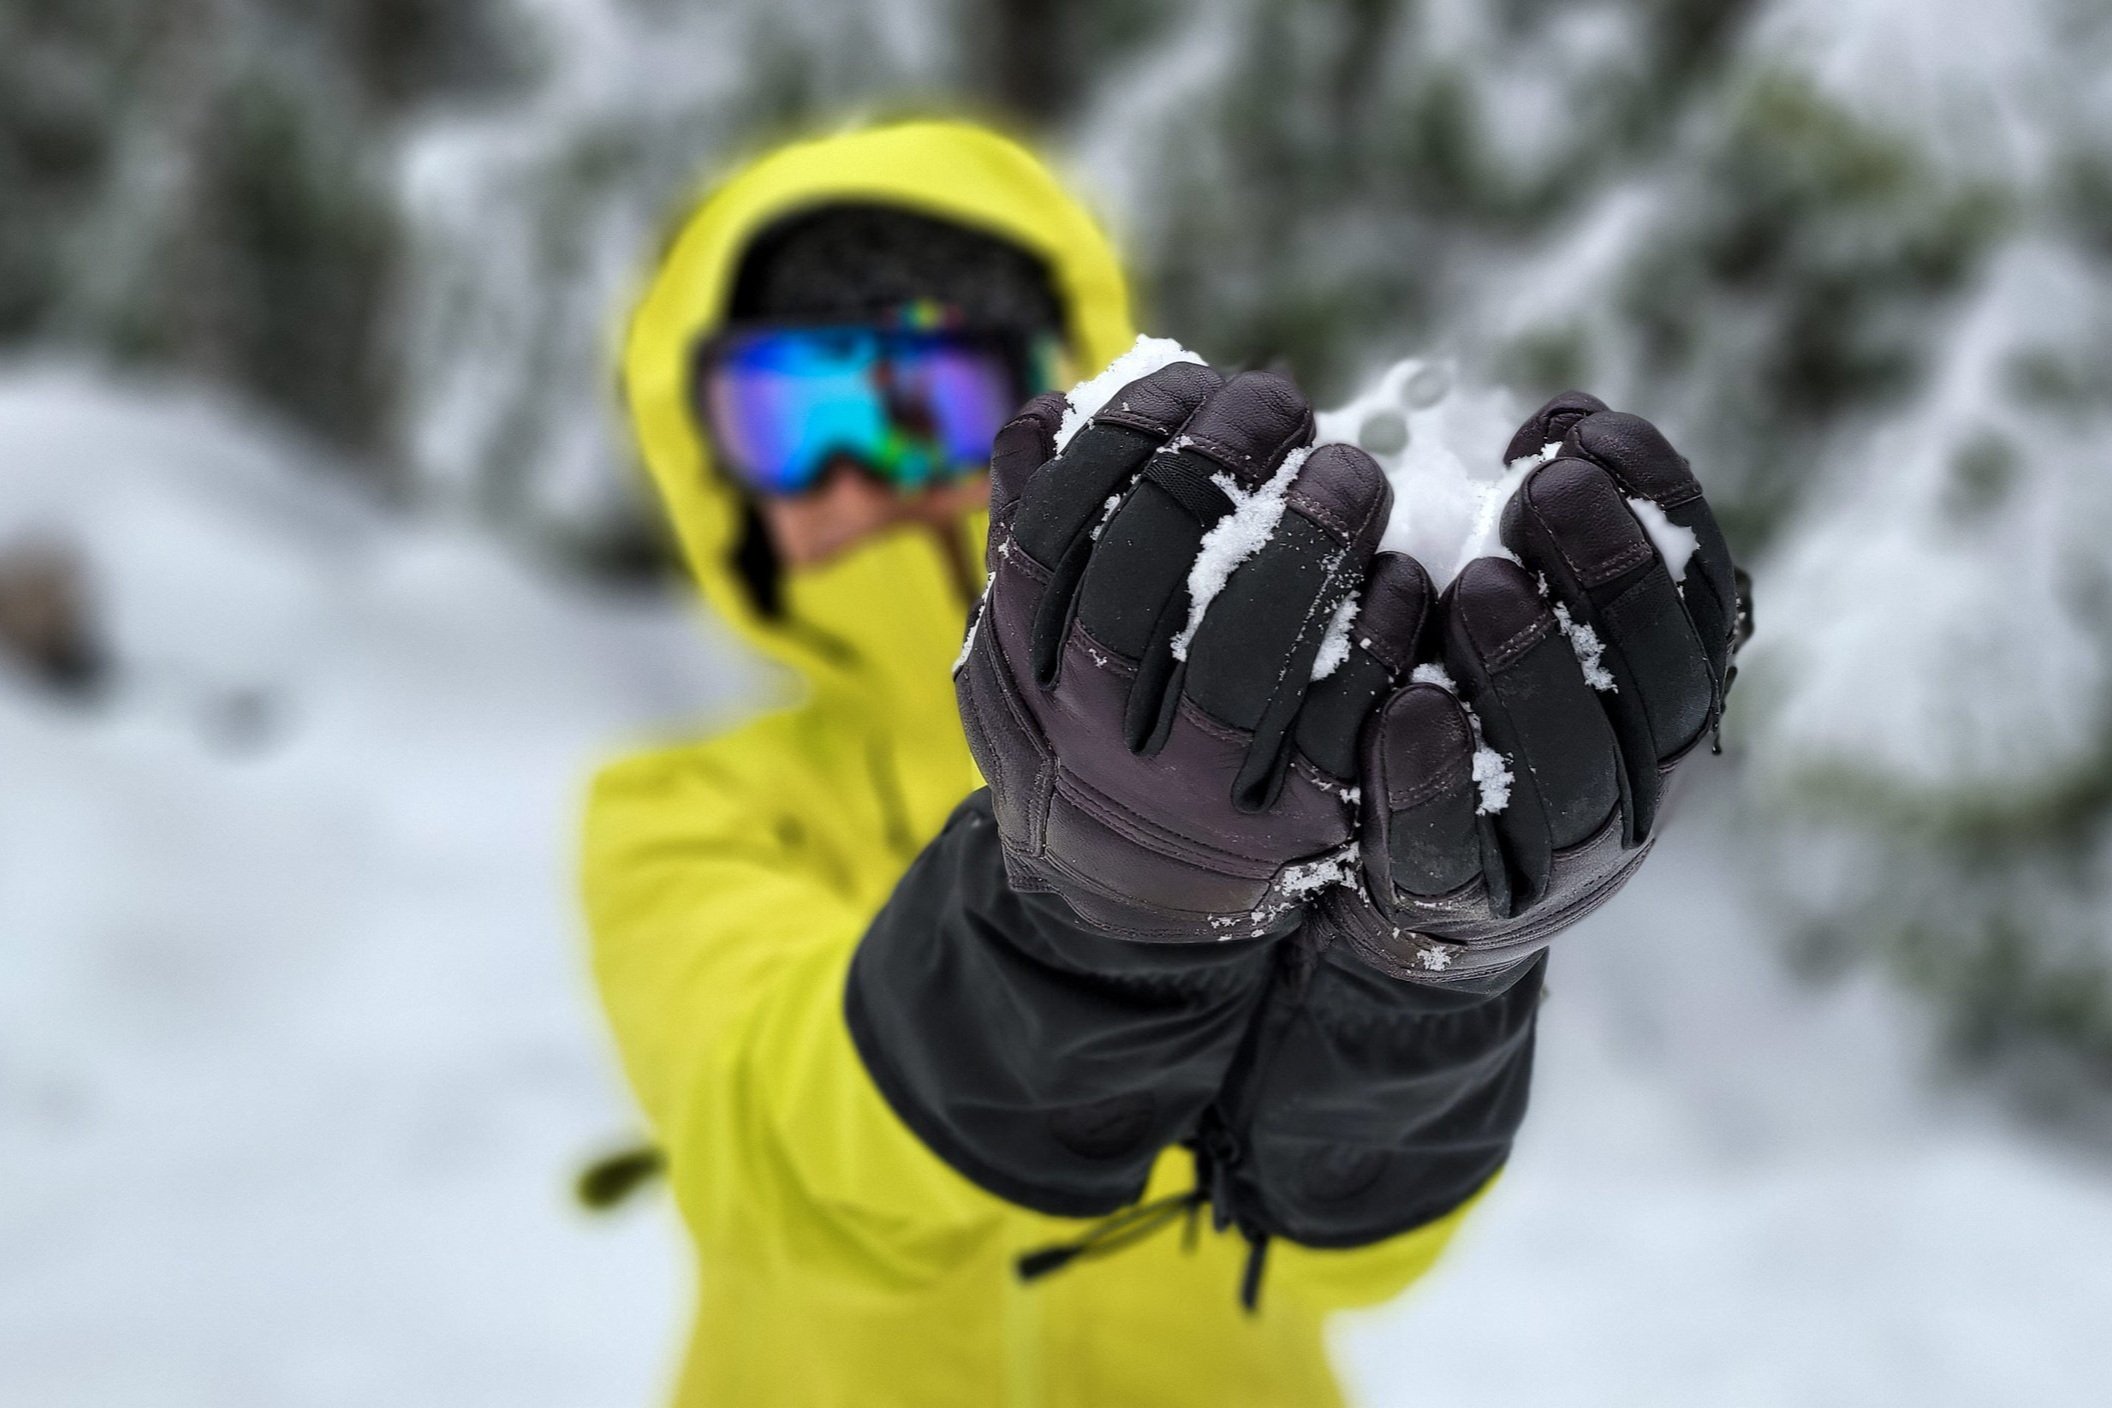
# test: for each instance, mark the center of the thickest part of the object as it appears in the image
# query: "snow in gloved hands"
(1433, 439)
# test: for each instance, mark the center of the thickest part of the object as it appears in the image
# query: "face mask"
(888, 616)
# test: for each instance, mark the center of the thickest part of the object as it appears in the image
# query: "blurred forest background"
(1855, 255)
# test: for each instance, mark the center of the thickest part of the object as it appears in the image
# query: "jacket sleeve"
(1368, 1108)
(977, 1051)
(1367, 1117)
(1047, 1062)
(1333, 1107)
(720, 950)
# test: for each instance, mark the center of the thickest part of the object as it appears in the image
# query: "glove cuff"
(1451, 940)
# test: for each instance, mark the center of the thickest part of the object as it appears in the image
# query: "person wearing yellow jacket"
(861, 1201)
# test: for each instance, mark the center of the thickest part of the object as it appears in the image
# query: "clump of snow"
(1107, 511)
(1145, 356)
(1384, 434)
(355, 932)
(1590, 651)
(1434, 957)
(1484, 539)
(1674, 544)
(975, 623)
(1309, 878)
(1233, 539)
(1334, 646)
(1437, 444)
(1950, 659)
(1492, 774)
(1492, 771)
(1430, 672)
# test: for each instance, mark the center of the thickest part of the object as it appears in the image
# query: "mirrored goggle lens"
(913, 408)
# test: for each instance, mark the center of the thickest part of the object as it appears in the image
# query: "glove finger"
(1646, 466)
(1024, 444)
(1426, 834)
(1570, 523)
(1249, 660)
(1514, 668)
(1551, 423)
(1384, 637)
(1063, 504)
(1133, 596)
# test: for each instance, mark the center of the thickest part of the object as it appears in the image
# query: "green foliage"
(312, 242)
(1318, 185)
(208, 187)
(1831, 251)
(55, 143)
(1978, 950)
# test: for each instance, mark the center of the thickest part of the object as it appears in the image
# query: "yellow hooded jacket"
(727, 883)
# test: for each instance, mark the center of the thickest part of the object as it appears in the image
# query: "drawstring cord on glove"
(1112, 1234)
(1132, 1225)
(1217, 1149)
(1217, 1153)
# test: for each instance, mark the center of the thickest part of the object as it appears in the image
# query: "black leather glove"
(1141, 761)
(1513, 788)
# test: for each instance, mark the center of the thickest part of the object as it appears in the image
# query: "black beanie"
(862, 263)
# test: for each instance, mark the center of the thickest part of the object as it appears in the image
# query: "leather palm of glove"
(1171, 793)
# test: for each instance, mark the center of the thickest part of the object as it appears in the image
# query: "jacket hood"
(888, 606)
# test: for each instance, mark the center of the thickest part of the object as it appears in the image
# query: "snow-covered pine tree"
(534, 220)
(1938, 720)
(207, 185)
(1854, 255)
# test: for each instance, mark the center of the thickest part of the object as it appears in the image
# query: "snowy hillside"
(1736, 1189)
(297, 1053)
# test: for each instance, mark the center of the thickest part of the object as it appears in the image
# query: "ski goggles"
(912, 406)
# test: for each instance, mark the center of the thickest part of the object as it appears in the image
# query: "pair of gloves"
(1191, 785)
(1294, 923)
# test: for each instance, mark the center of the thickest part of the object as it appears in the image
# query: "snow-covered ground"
(298, 1056)
(297, 1052)
(1736, 1189)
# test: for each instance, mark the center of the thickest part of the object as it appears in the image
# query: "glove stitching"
(1304, 767)
(1239, 461)
(1100, 655)
(1678, 498)
(1326, 517)
(1395, 667)
(1209, 723)
(1175, 932)
(1144, 831)
(1454, 776)
(1535, 631)
(1594, 574)
(1138, 421)
(1186, 709)
(1022, 561)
